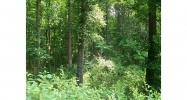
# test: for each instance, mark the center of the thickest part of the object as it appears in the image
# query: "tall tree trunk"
(151, 52)
(82, 29)
(65, 41)
(48, 30)
(28, 31)
(69, 33)
(48, 39)
(38, 30)
(54, 52)
(48, 35)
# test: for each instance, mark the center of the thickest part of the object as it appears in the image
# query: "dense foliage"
(105, 81)
(93, 49)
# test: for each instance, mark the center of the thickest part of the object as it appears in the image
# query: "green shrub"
(52, 87)
(103, 80)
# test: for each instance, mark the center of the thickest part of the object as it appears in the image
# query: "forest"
(93, 49)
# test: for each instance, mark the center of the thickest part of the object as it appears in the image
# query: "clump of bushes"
(52, 87)
(126, 82)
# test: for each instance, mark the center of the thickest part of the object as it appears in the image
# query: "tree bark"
(151, 51)
(69, 33)
(38, 30)
(80, 61)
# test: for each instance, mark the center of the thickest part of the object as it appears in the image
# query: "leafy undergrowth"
(102, 81)
(51, 87)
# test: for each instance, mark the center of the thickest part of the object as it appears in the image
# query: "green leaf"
(49, 76)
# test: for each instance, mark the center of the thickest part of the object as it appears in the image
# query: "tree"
(81, 31)
(69, 32)
(38, 30)
(151, 75)
(48, 31)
